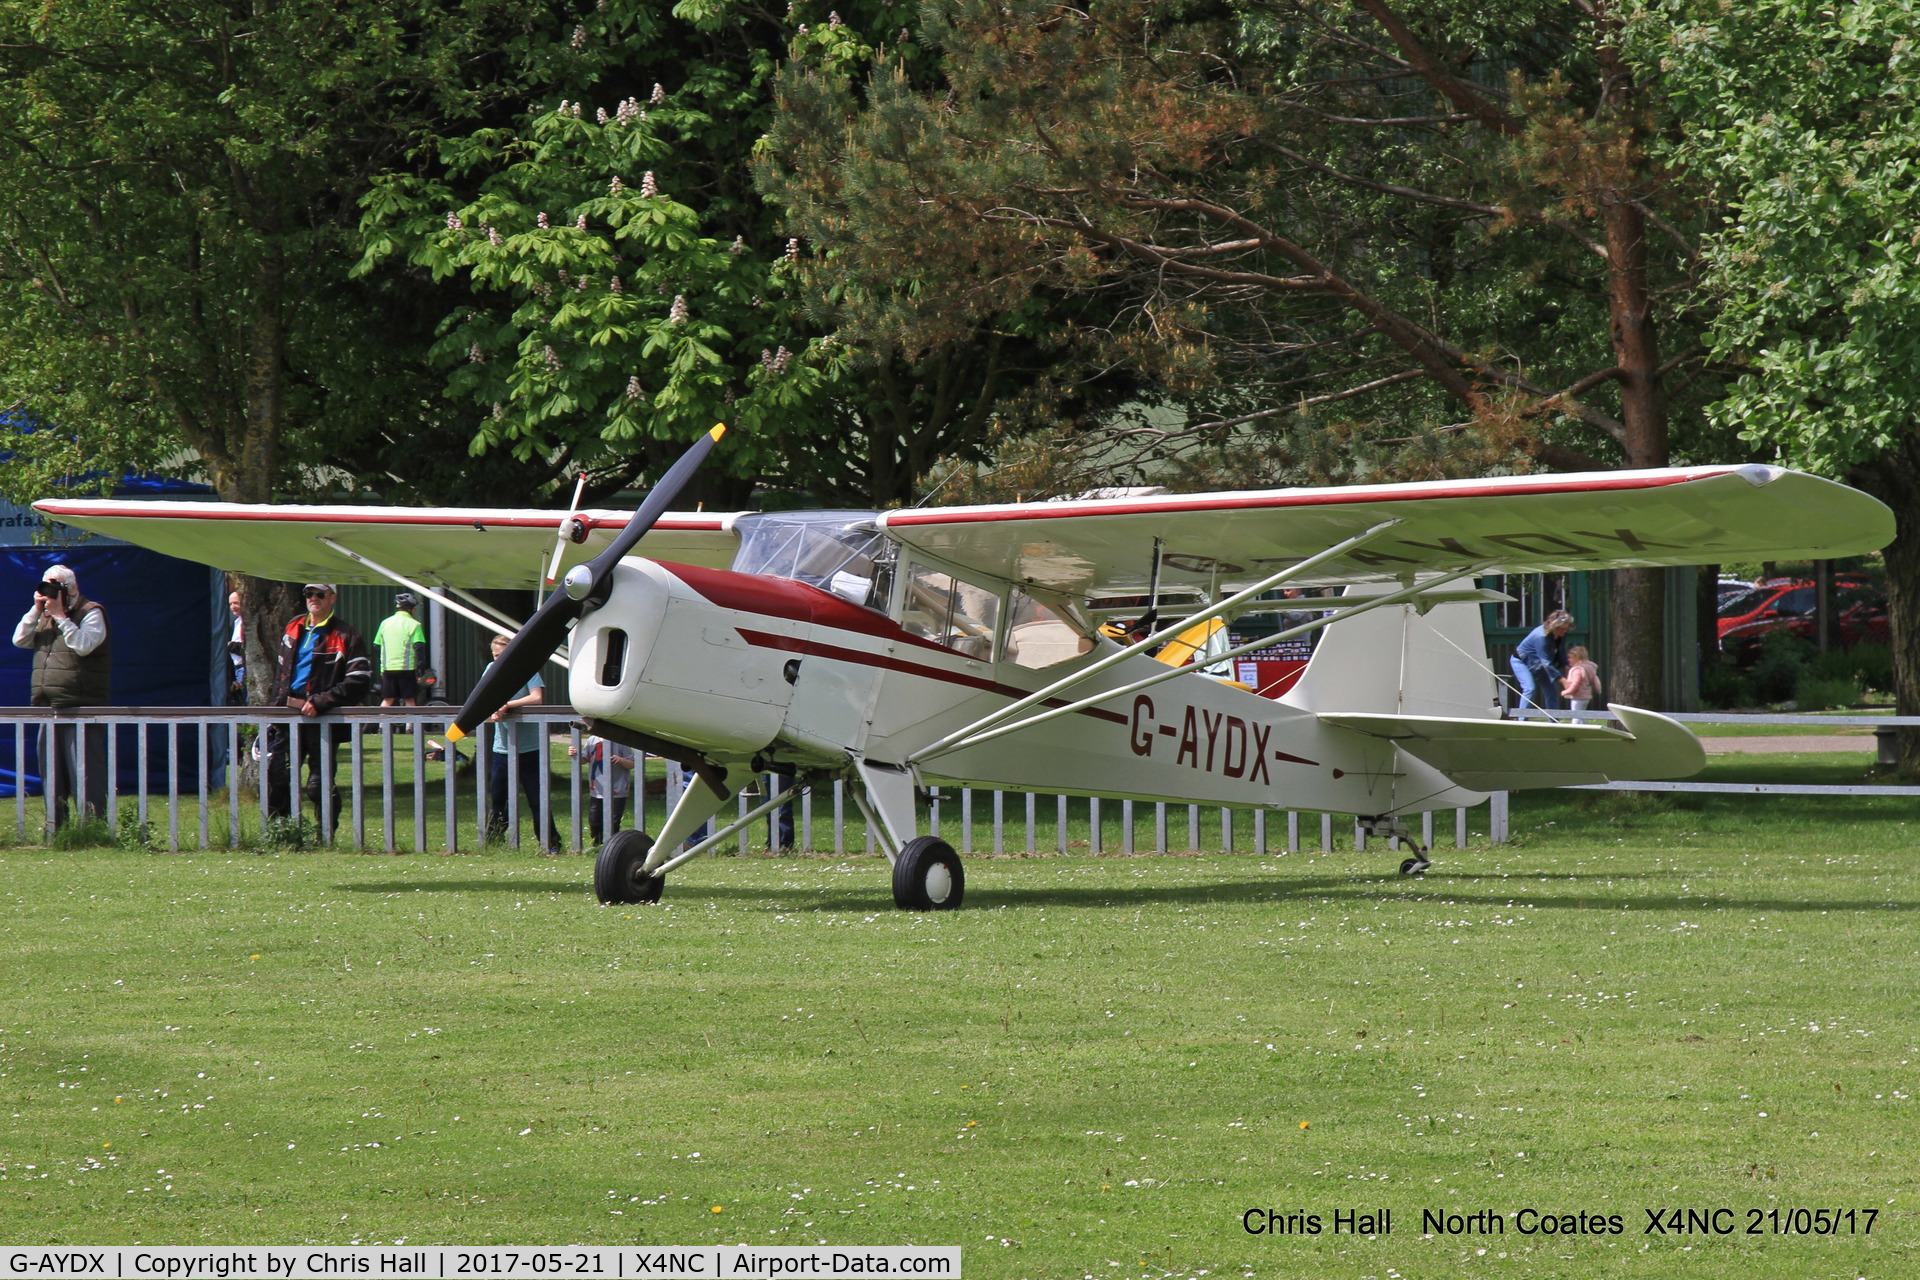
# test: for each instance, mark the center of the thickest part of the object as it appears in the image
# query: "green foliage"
(1783, 658)
(1723, 686)
(1807, 122)
(1813, 692)
(87, 833)
(179, 191)
(1244, 206)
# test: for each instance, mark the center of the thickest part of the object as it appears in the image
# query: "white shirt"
(239, 661)
(81, 637)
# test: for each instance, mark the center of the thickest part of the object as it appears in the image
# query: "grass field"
(1095, 1069)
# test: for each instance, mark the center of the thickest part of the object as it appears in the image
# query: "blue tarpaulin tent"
(168, 621)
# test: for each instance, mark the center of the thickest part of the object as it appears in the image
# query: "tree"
(1445, 216)
(626, 286)
(178, 221)
(1806, 121)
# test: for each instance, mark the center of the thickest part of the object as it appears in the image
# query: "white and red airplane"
(962, 645)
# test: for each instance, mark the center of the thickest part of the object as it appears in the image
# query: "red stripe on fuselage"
(794, 601)
(859, 657)
(799, 602)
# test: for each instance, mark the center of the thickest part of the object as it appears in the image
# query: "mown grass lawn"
(1095, 1069)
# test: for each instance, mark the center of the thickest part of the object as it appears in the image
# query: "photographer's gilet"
(63, 678)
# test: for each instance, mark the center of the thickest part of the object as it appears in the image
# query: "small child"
(1582, 684)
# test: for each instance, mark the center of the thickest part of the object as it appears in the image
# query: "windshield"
(839, 551)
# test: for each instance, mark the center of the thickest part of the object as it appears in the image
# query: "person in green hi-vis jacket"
(402, 645)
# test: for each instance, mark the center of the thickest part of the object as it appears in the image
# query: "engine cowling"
(666, 660)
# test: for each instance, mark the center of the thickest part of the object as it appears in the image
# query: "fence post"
(1293, 831)
(839, 818)
(449, 777)
(1497, 816)
(387, 840)
(1359, 837)
(1426, 830)
(1093, 824)
(356, 763)
(113, 778)
(233, 781)
(966, 820)
(483, 780)
(1033, 805)
(1226, 829)
(1193, 828)
(1459, 828)
(173, 786)
(259, 774)
(1126, 827)
(1060, 826)
(999, 822)
(205, 753)
(419, 784)
(20, 781)
(1326, 833)
(1160, 826)
(1259, 831)
(50, 773)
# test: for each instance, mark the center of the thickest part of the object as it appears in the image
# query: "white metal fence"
(392, 793)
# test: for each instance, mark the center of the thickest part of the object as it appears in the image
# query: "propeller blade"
(547, 628)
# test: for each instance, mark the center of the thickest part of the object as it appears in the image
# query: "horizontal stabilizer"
(1514, 755)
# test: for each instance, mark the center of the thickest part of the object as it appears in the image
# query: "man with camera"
(72, 667)
(323, 665)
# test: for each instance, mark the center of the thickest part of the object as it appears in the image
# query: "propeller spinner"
(586, 588)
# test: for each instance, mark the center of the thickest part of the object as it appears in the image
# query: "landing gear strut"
(1388, 829)
(619, 874)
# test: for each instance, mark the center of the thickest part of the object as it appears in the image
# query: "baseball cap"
(321, 586)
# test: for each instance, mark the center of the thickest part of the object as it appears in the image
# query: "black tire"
(1416, 865)
(928, 876)
(617, 874)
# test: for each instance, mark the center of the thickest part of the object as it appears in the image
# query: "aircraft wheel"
(927, 876)
(1416, 865)
(617, 874)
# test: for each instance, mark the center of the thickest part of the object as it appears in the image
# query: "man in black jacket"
(323, 665)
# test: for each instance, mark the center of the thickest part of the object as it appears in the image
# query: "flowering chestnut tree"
(608, 324)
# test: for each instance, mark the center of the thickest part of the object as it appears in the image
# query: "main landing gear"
(927, 876)
(618, 872)
(1390, 829)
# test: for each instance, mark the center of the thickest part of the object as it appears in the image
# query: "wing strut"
(1229, 605)
(971, 738)
(424, 590)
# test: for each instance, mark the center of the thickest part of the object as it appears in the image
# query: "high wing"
(453, 546)
(1522, 524)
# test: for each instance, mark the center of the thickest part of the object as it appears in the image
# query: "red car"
(1859, 613)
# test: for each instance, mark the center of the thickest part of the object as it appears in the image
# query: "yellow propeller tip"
(719, 429)
(454, 734)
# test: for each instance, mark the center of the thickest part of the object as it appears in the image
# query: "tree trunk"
(266, 607)
(1639, 595)
(1894, 478)
(1638, 610)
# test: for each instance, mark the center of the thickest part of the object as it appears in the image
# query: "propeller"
(587, 587)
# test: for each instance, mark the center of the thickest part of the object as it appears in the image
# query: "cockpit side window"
(950, 612)
(1037, 636)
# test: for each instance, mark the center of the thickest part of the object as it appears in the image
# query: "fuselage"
(741, 665)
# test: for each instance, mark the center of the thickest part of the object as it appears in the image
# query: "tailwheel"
(927, 876)
(618, 871)
(1416, 865)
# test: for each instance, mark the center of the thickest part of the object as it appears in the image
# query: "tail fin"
(1394, 660)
